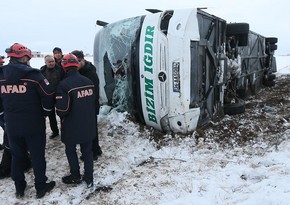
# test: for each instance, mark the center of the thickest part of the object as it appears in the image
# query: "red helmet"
(18, 50)
(69, 60)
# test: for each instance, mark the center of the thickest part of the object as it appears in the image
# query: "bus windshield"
(113, 51)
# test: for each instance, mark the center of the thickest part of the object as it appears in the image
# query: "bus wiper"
(101, 23)
(153, 10)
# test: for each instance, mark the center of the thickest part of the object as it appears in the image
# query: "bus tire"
(271, 40)
(269, 83)
(271, 77)
(235, 108)
(273, 47)
(237, 29)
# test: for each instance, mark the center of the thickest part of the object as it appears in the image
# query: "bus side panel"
(253, 63)
(210, 67)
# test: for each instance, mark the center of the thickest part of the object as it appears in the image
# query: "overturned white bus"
(176, 70)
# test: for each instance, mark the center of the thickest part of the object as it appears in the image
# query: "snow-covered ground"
(135, 170)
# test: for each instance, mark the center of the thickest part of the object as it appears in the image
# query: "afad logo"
(84, 93)
(10, 89)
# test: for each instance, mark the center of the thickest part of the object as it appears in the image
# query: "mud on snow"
(261, 128)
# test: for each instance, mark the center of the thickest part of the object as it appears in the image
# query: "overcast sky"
(70, 24)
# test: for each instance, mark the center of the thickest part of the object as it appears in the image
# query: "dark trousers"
(72, 157)
(53, 122)
(5, 165)
(96, 147)
(36, 147)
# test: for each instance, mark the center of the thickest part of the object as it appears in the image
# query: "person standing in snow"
(25, 98)
(75, 105)
(2, 121)
(57, 54)
(53, 73)
(2, 60)
(5, 165)
(88, 70)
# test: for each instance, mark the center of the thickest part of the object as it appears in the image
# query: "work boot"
(96, 147)
(71, 179)
(47, 188)
(20, 191)
(95, 156)
(89, 181)
(19, 194)
(98, 152)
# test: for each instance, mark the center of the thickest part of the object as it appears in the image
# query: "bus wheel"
(271, 77)
(272, 40)
(269, 83)
(235, 108)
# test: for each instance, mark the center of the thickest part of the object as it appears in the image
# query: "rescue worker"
(2, 60)
(57, 54)
(5, 165)
(53, 73)
(88, 70)
(1, 64)
(25, 98)
(1, 146)
(75, 105)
